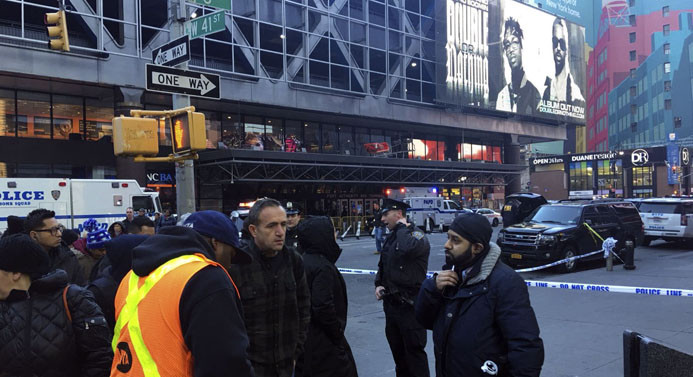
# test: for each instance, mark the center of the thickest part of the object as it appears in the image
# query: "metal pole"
(185, 171)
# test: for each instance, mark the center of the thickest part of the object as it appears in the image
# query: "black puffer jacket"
(486, 322)
(38, 339)
(327, 352)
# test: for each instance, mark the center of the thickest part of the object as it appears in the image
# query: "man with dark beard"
(562, 87)
(479, 309)
(519, 96)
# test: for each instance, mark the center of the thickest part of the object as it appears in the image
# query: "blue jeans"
(379, 231)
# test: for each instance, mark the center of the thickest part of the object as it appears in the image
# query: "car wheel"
(568, 252)
(494, 223)
(646, 241)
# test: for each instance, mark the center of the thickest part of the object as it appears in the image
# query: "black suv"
(557, 231)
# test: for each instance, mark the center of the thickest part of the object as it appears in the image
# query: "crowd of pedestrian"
(196, 297)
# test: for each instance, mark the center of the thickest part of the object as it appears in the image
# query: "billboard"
(506, 56)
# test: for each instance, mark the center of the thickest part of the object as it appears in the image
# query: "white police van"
(670, 219)
(74, 200)
(437, 210)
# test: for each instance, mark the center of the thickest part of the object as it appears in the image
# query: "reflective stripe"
(129, 314)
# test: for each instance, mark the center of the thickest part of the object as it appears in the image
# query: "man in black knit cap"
(478, 308)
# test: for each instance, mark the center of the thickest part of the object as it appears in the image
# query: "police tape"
(559, 262)
(570, 286)
(611, 288)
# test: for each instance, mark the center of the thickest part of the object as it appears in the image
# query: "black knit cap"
(19, 253)
(15, 225)
(473, 227)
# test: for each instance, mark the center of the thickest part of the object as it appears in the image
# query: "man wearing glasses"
(562, 88)
(43, 228)
(519, 96)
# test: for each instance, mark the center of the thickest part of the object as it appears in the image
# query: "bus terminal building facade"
(318, 102)
(643, 172)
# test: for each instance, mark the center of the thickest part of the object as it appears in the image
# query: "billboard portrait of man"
(519, 95)
(562, 87)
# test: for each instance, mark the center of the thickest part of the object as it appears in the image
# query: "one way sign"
(172, 53)
(171, 80)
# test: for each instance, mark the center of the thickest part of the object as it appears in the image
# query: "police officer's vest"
(148, 341)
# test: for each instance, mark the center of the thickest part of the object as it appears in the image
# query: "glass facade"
(581, 176)
(376, 47)
(245, 131)
(54, 116)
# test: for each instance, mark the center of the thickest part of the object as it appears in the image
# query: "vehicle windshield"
(555, 214)
(647, 207)
(454, 205)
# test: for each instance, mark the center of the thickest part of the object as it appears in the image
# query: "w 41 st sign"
(205, 25)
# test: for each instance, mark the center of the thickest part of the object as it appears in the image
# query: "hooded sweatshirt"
(327, 352)
(210, 310)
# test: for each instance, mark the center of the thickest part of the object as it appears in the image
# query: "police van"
(74, 200)
(438, 211)
(670, 219)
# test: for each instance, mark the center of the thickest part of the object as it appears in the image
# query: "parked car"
(557, 231)
(668, 219)
(494, 218)
(518, 206)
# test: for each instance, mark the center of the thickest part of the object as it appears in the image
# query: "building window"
(642, 176)
(667, 67)
(632, 55)
(632, 37)
(631, 20)
(677, 122)
(665, 30)
(632, 73)
(631, 3)
(633, 109)
(666, 49)
(7, 115)
(34, 115)
(633, 92)
(633, 126)
(667, 104)
(667, 86)
(665, 11)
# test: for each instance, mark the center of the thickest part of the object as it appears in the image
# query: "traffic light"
(188, 132)
(58, 31)
(135, 136)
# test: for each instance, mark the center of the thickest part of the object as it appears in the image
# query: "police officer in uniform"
(293, 217)
(401, 271)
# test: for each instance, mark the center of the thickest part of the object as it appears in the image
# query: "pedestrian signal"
(188, 132)
(135, 136)
(57, 33)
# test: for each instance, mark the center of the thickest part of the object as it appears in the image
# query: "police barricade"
(647, 357)
(352, 226)
(337, 223)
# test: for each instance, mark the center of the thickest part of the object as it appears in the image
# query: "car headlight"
(544, 239)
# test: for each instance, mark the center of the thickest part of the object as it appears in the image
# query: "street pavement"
(582, 330)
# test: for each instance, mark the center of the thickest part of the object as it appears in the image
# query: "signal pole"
(185, 171)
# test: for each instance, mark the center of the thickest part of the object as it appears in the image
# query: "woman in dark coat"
(327, 352)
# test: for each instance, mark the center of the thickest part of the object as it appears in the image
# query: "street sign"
(171, 80)
(221, 4)
(172, 53)
(207, 24)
